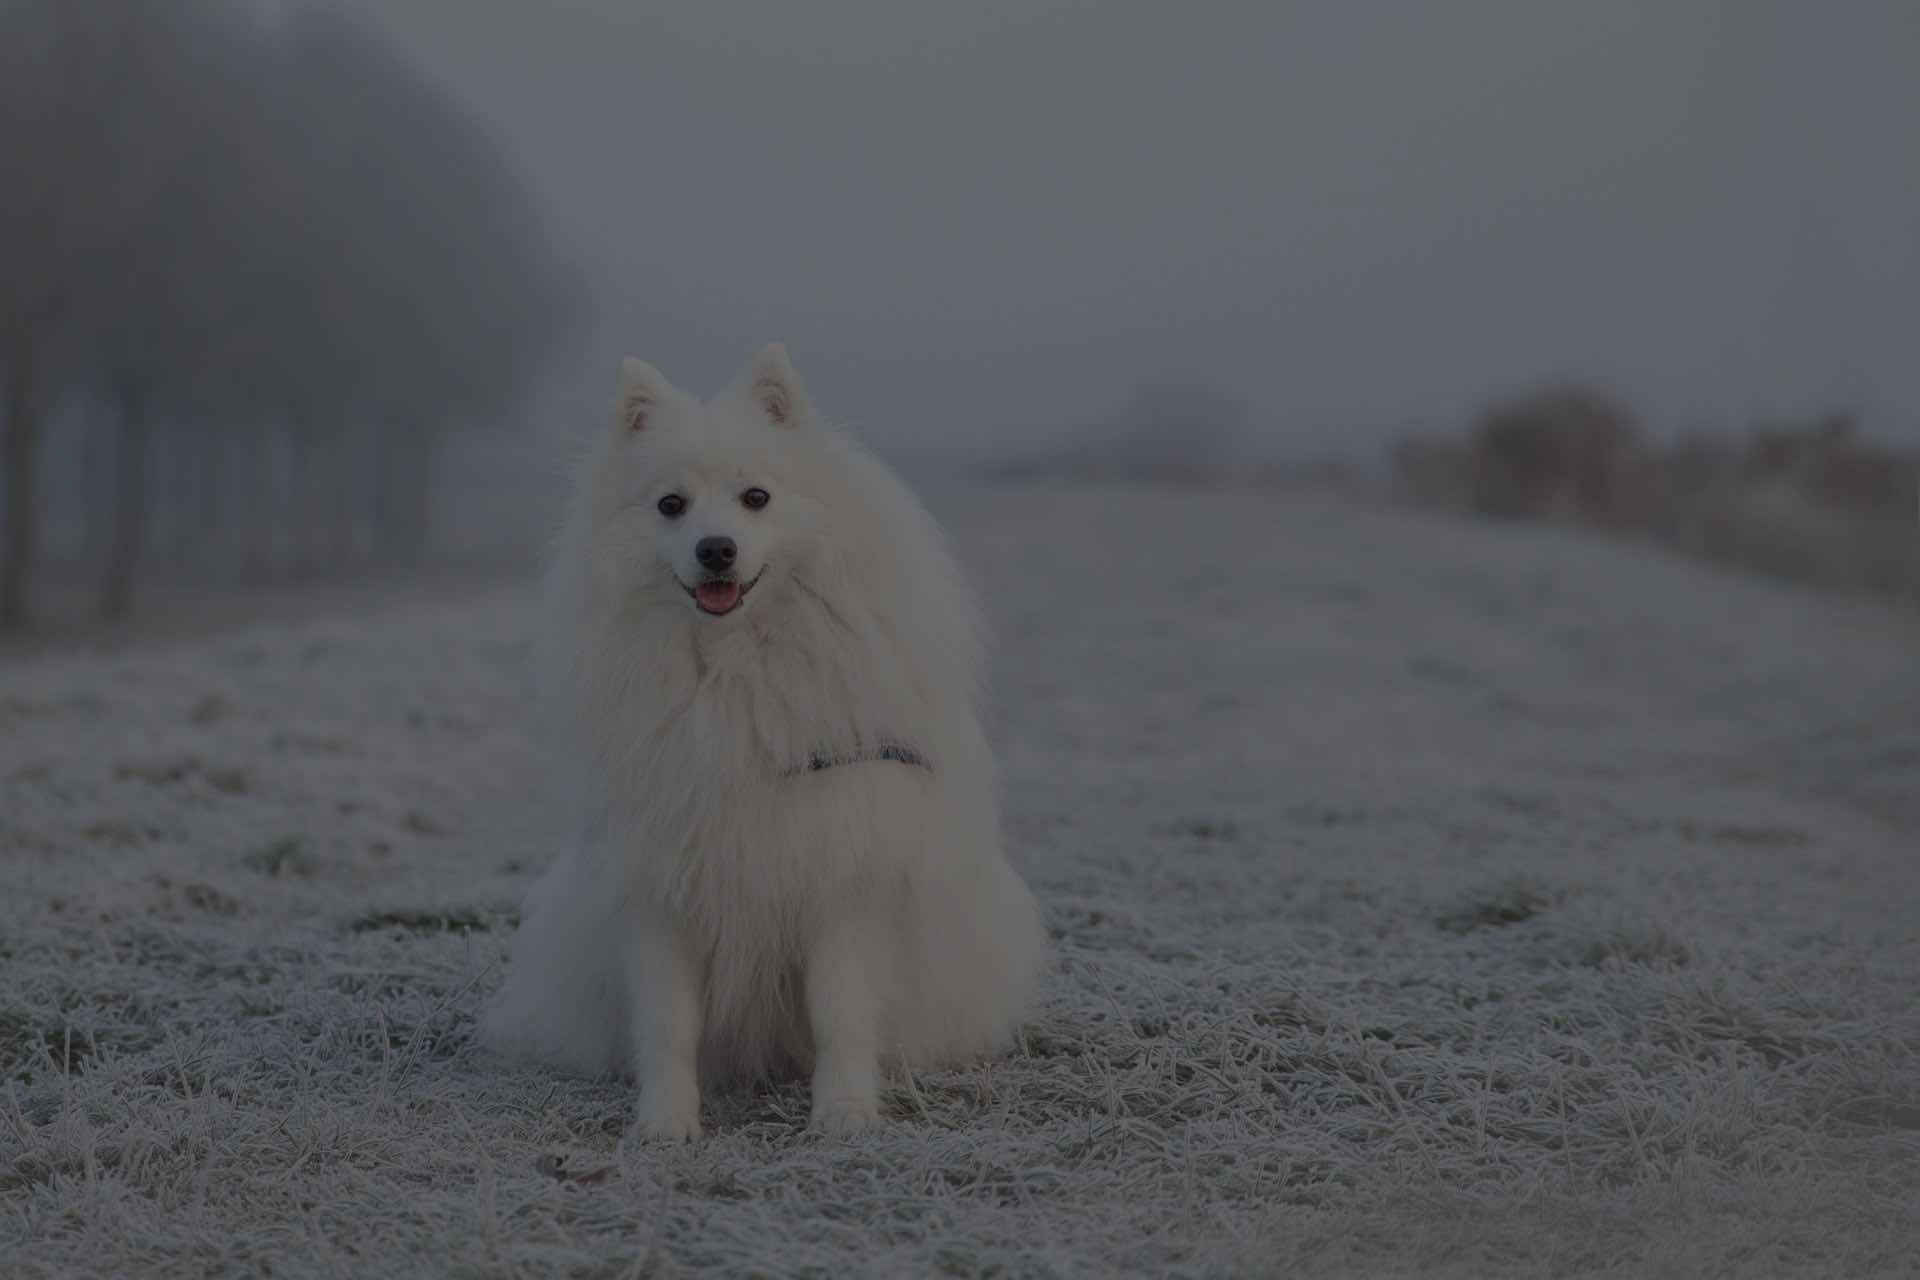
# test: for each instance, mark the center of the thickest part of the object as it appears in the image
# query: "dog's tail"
(562, 1001)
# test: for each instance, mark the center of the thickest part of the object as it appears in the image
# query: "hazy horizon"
(977, 225)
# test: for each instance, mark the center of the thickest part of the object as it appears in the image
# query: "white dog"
(769, 663)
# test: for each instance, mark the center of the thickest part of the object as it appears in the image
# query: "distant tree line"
(251, 248)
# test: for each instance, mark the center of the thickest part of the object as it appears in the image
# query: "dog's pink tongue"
(717, 597)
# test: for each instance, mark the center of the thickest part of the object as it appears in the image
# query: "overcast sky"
(977, 221)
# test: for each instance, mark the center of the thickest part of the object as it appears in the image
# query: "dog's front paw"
(667, 1126)
(843, 1117)
(666, 1115)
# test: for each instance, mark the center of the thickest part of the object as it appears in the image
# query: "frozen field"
(1430, 900)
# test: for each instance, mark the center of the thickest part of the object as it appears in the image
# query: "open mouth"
(720, 595)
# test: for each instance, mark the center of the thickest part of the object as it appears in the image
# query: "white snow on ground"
(1430, 899)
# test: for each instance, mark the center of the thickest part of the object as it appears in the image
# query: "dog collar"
(898, 752)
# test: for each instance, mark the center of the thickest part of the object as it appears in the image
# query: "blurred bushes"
(1557, 454)
(1815, 501)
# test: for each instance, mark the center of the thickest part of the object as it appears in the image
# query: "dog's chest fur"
(706, 757)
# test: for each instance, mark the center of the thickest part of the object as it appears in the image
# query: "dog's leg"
(843, 1007)
(663, 983)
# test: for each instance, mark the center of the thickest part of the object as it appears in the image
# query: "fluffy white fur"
(731, 914)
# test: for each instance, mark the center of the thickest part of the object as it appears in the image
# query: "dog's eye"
(672, 505)
(754, 499)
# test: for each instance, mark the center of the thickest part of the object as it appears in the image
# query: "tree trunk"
(94, 490)
(18, 452)
(129, 506)
(341, 452)
(300, 498)
(404, 485)
(386, 492)
(257, 473)
(205, 494)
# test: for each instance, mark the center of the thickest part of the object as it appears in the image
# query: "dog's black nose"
(715, 554)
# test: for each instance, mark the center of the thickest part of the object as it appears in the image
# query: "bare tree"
(63, 112)
(205, 236)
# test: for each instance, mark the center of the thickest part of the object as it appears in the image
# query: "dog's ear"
(776, 388)
(642, 388)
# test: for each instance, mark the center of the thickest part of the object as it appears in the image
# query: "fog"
(297, 289)
(977, 224)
